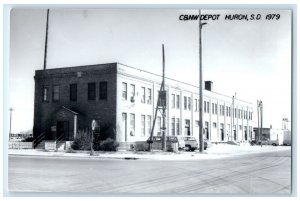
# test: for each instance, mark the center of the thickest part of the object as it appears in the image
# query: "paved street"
(254, 173)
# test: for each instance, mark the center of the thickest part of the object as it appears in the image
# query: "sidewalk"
(213, 152)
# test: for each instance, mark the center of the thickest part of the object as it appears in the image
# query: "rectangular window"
(158, 125)
(240, 127)
(92, 91)
(143, 94)
(149, 97)
(173, 100)
(143, 126)
(132, 123)
(205, 107)
(214, 125)
(196, 105)
(234, 112)
(223, 110)
(55, 93)
(124, 91)
(216, 108)
(177, 126)
(103, 91)
(73, 92)
(189, 103)
(132, 90)
(177, 101)
(149, 125)
(185, 103)
(226, 111)
(229, 111)
(45, 94)
(173, 126)
(213, 108)
(220, 110)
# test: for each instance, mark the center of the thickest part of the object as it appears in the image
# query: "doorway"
(124, 125)
(62, 130)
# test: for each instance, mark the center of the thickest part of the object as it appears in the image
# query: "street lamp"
(201, 141)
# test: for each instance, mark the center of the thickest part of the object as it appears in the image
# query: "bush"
(82, 141)
(106, 145)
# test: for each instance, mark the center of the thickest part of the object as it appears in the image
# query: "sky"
(250, 58)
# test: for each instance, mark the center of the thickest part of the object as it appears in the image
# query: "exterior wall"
(102, 110)
(117, 111)
(145, 79)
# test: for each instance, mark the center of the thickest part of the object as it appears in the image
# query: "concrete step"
(41, 145)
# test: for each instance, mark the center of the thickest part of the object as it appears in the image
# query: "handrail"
(38, 139)
(59, 139)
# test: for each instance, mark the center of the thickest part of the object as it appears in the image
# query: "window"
(45, 94)
(73, 92)
(196, 105)
(149, 101)
(226, 111)
(189, 103)
(132, 124)
(173, 100)
(197, 123)
(213, 108)
(220, 110)
(216, 108)
(177, 101)
(143, 128)
(235, 112)
(185, 103)
(214, 125)
(55, 93)
(124, 91)
(132, 90)
(205, 107)
(223, 110)
(149, 124)
(103, 91)
(143, 94)
(173, 126)
(240, 127)
(158, 125)
(229, 111)
(92, 91)
(177, 126)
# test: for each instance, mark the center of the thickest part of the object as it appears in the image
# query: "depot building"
(123, 99)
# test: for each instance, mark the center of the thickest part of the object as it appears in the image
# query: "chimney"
(208, 85)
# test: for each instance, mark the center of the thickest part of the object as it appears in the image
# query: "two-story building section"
(125, 99)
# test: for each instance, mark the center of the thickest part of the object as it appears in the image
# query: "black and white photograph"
(173, 101)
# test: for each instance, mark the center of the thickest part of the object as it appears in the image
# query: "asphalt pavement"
(247, 174)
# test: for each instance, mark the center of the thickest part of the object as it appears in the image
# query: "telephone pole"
(164, 145)
(46, 41)
(10, 110)
(201, 141)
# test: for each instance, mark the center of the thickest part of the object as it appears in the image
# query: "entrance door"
(62, 130)
(124, 125)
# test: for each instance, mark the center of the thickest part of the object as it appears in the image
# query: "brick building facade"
(68, 99)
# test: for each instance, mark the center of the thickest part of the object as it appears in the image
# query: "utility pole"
(232, 117)
(164, 144)
(46, 41)
(11, 110)
(201, 141)
(261, 120)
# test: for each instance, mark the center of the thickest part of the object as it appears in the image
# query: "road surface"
(249, 174)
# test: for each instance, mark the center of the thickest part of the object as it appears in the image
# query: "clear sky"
(251, 58)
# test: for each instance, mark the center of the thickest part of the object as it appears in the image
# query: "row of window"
(91, 93)
(145, 93)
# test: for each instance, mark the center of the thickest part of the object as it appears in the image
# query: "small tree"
(82, 140)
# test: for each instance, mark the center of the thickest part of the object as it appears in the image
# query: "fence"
(20, 145)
